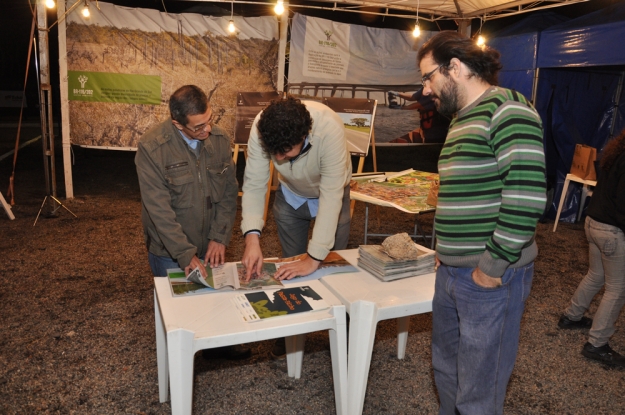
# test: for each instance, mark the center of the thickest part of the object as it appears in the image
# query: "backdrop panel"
(323, 51)
(124, 63)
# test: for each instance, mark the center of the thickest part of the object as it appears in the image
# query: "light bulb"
(279, 9)
(50, 4)
(481, 41)
(85, 11)
(416, 32)
(231, 27)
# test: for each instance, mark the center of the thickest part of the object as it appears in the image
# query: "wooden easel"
(361, 164)
(7, 207)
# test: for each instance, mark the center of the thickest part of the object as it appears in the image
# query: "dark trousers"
(293, 225)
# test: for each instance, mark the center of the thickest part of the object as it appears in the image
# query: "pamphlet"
(228, 276)
(262, 305)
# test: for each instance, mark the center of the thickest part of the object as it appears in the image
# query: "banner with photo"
(124, 63)
(358, 115)
(337, 59)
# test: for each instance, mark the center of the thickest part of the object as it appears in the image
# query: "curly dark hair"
(187, 100)
(612, 151)
(444, 46)
(283, 124)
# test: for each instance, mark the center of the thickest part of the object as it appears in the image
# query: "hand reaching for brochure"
(195, 263)
(395, 93)
(215, 254)
(252, 257)
(303, 267)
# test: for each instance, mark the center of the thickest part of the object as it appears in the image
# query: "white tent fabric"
(447, 9)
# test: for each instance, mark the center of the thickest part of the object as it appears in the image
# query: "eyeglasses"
(201, 127)
(428, 75)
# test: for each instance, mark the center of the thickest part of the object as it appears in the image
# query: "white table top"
(215, 315)
(414, 292)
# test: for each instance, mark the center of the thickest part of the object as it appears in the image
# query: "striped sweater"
(492, 184)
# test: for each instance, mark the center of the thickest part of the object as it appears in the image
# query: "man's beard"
(448, 98)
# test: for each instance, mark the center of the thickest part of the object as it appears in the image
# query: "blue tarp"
(518, 45)
(581, 63)
(595, 39)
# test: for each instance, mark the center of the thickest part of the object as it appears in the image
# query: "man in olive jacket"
(188, 186)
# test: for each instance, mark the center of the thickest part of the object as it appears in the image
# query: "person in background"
(492, 193)
(188, 191)
(605, 227)
(306, 142)
(433, 126)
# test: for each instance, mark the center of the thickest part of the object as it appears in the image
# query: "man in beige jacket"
(306, 142)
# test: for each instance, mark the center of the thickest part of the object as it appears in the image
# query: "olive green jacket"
(187, 199)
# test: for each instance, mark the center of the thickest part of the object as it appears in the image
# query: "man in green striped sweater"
(492, 193)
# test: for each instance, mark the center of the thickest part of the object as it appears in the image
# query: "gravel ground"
(77, 333)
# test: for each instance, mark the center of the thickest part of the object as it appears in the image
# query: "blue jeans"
(475, 338)
(160, 264)
(606, 253)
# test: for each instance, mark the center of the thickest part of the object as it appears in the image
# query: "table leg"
(338, 352)
(366, 220)
(181, 353)
(294, 354)
(403, 323)
(562, 197)
(161, 353)
(586, 192)
(362, 326)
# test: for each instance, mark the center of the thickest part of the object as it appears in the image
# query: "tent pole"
(284, 24)
(47, 125)
(65, 131)
(45, 101)
(535, 86)
(464, 27)
(619, 92)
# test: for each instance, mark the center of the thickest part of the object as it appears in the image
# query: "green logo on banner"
(114, 87)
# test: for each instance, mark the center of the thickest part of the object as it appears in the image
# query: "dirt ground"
(77, 331)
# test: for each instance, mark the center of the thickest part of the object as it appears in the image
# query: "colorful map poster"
(407, 193)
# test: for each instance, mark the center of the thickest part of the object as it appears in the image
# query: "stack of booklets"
(374, 260)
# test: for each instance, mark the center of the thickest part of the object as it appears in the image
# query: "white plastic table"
(185, 325)
(585, 193)
(368, 301)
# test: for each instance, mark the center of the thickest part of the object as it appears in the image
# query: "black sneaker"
(236, 352)
(603, 354)
(566, 323)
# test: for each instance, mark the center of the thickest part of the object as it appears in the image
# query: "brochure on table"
(262, 305)
(230, 276)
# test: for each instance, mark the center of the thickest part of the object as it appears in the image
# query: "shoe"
(603, 354)
(279, 349)
(566, 323)
(236, 352)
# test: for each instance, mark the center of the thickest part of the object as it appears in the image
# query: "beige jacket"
(322, 172)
